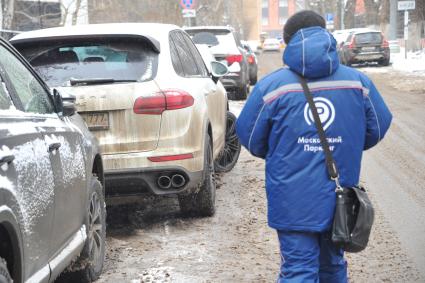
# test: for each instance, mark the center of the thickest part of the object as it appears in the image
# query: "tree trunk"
(76, 11)
(8, 11)
(384, 16)
(1, 14)
(350, 9)
(372, 11)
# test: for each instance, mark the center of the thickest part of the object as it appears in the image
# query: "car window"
(369, 37)
(190, 67)
(214, 37)
(5, 101)
(198, 59)
(177, 65)
(32, 94)
(111, 58)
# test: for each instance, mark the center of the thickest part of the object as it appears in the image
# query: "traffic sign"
(187, 4)
(330, 21)
(406, 5)
(189, 13)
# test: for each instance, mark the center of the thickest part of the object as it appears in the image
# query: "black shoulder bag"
(354, 212)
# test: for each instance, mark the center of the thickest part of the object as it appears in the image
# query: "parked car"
(52, 208)
(232, 147)
(227, 48)
(363, 46)
(255, 46)
(271, 44)
(252, 63)
(145, 93)
(341, 37)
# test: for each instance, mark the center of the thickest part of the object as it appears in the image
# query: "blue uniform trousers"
(310, 257)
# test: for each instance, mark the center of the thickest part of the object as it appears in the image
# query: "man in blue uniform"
(276, 124)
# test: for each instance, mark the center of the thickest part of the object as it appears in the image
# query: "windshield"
(115, 59)
(369, 37)
(213, 37)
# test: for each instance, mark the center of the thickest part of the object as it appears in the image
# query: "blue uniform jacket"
(276, 124)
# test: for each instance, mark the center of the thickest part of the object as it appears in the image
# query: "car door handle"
(7, 158)
(54, 146)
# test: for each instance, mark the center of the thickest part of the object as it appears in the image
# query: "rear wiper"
(97, 81)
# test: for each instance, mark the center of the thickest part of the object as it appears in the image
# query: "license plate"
(368, 48)
(96, 121)
(369, 57)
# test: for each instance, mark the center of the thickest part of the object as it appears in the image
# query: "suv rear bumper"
(233, 81)
(123, 186)
(368, 56)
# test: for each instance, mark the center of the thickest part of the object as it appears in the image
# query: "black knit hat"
(300, 20)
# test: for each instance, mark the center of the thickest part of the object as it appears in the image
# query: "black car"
(227, 48)
(252, 62)
(363, 46)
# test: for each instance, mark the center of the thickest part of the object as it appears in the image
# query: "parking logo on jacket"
(326, 111)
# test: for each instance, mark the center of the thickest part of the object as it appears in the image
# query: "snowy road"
(154, 243)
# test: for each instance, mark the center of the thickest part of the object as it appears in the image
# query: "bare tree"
(7, 13)
(350, 9)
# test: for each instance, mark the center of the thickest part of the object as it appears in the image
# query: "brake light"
(177, 99)
(234, 58)
(170, 157)
(170, 99)
(352, 44)
(251, 59)
(385, 43)
(151, 105)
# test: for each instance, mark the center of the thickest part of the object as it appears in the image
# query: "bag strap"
(330, 162)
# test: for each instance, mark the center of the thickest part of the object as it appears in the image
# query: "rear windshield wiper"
(97, 81)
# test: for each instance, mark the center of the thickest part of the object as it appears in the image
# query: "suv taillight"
(385, 43)
(169, 99)
(251, 59)
(352, 44)
(234, 58)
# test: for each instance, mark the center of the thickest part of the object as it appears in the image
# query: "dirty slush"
(153, 242)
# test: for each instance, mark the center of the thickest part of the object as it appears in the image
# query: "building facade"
(275, 13)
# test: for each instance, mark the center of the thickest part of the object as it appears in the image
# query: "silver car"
(52, 209)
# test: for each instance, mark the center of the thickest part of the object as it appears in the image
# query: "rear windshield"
(212, 37)
(118, 59)
(369, 37)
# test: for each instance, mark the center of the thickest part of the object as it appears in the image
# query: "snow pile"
(415, 62)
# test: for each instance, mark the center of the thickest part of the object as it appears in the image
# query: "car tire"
(4, 272)
(229, 156)
(385, 62)
(242, 93)
(90, 263)
(202, 203)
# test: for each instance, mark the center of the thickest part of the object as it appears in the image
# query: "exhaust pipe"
(178, 181)
(164, 182)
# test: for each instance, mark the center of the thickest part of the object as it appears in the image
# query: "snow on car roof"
(151, 31)
(210, 27)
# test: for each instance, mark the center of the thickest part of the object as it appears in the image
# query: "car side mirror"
(65, 102)
(218, 70)
(69, 108)
(57, 102)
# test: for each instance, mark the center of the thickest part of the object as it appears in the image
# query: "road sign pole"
(405, 6)
(406, 31)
